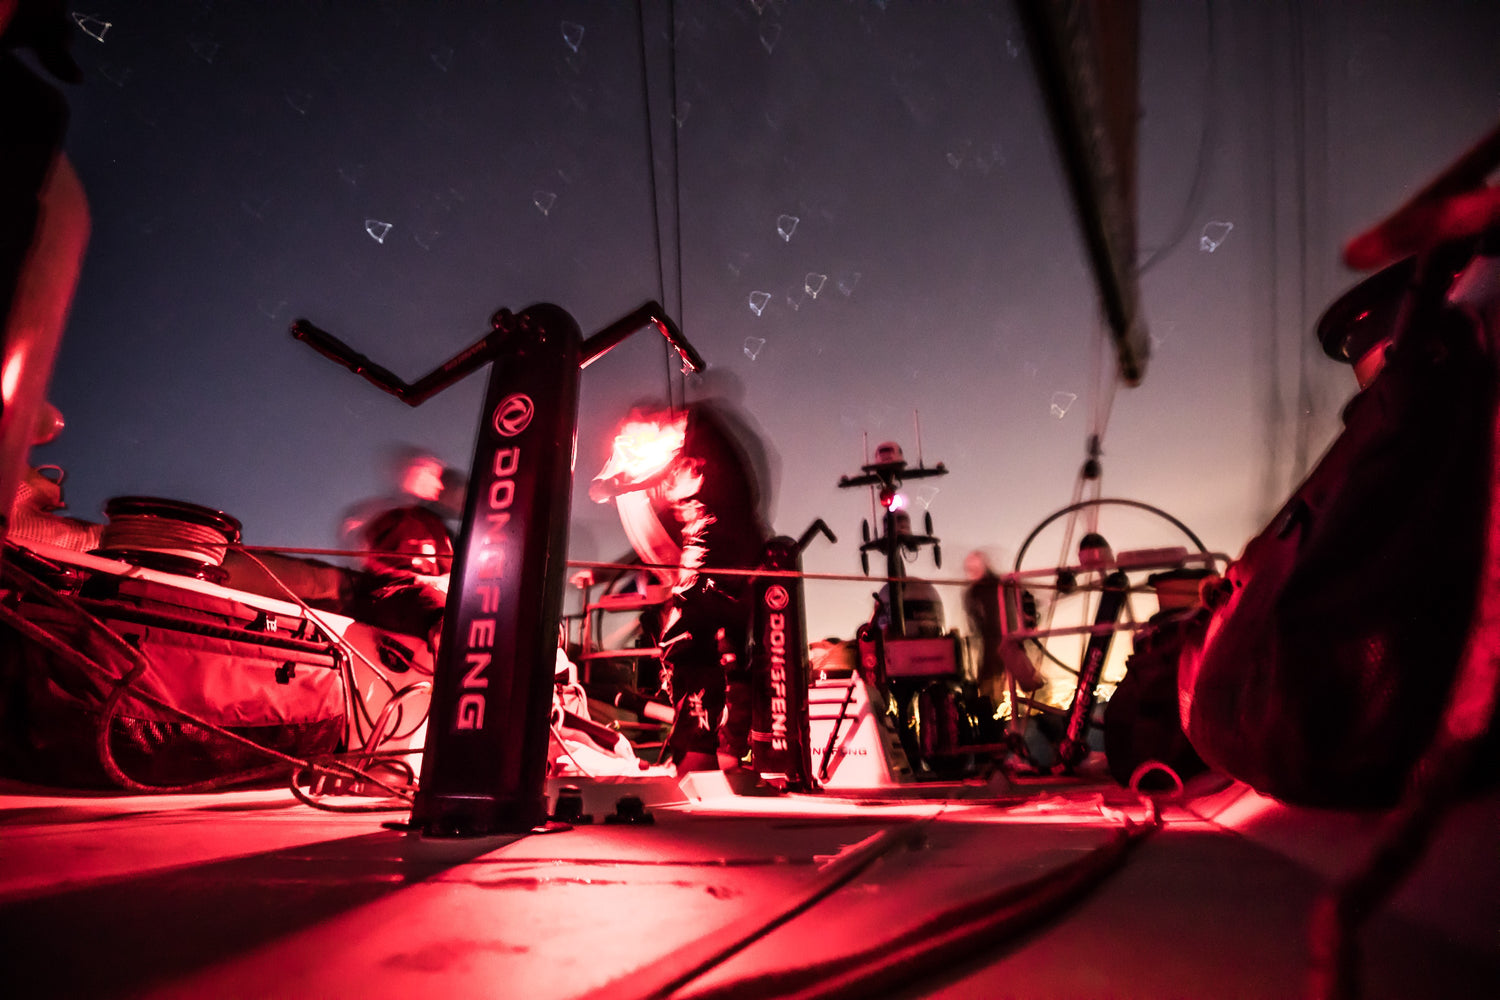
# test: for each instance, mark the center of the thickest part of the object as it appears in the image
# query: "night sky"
(864, 201)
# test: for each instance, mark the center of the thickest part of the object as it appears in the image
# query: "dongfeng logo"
(776, 597)
(514, 415)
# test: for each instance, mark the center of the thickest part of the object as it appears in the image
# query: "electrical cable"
(410, 691)
(393, 706)
(313, 615)
(1149, 767)
(375, 736)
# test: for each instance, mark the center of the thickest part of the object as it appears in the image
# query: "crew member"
(985, 611)
(684, 482)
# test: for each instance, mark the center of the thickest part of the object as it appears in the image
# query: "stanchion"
(779, 737)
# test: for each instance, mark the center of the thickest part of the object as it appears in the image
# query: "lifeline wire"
(1031, 578)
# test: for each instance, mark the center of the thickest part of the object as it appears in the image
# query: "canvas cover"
(281, 692)
(1323, 672)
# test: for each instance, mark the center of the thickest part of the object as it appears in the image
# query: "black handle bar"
(651, 313)
(813, 529)
(486, 349)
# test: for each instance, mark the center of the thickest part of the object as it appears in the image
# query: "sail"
(1085, 52)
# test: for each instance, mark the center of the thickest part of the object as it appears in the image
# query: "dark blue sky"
(242, 157)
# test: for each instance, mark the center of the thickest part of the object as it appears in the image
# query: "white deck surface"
(251, 894)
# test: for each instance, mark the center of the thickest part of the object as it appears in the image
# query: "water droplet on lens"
(1214, 235)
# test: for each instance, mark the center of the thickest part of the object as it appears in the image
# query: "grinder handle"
(652, 313)
(691, 360)
(336, 350)
(813, 529)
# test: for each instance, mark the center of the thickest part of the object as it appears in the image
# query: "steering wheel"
(1065, 587)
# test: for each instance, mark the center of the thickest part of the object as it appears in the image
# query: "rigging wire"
(1090, 479)
(676, 206)
(1206, 136)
